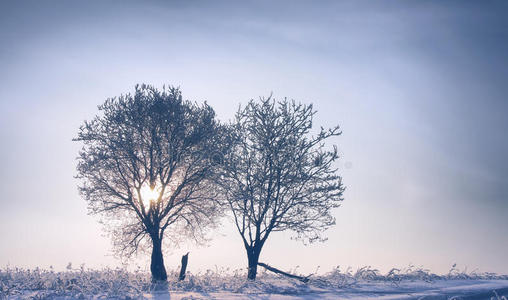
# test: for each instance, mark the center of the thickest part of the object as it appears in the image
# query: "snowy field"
(365, 283)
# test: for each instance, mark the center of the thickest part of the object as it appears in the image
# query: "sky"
(419, 89)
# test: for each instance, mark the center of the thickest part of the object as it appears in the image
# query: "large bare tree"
(278, 177)
(146, 166)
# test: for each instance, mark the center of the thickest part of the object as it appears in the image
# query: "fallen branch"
(275, 270)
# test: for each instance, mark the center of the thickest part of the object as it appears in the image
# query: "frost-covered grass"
(81, 283)
(347, 278)
(108, 283)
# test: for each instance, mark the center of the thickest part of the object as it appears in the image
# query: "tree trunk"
(253, 258)
(157, 266)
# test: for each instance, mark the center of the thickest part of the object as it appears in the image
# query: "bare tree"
(146, 167)
(278, 177)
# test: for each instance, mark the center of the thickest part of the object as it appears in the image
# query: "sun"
(148, 194)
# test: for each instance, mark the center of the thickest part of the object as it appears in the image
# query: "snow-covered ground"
(449, 289)
(365, 283)
(452, 289)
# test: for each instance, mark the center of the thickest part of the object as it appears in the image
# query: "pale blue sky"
(419, 89)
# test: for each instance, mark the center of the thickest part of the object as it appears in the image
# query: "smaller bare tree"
(278, 177)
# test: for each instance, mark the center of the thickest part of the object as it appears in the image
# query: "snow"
(365, 283)
(453, 289)
(449, 289)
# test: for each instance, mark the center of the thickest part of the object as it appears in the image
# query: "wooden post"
(185, 259)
